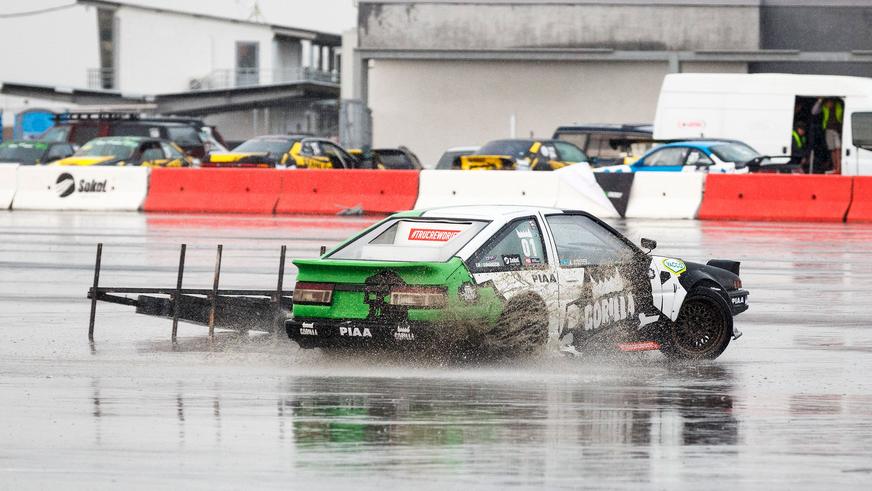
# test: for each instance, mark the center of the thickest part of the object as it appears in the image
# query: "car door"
(516, 260)
(604, 281)
(668, 159)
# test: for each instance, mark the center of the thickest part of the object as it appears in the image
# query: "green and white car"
(511, 280)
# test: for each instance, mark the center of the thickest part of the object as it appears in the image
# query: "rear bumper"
(738, 301)
(328, 332)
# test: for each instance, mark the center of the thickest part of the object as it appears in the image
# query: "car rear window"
(184, 135)
(393, 159)
(411, 240)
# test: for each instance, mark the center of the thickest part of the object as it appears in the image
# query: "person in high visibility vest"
(799, 146)
(831, 111)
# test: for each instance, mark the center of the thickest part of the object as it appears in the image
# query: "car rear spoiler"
(731, 266)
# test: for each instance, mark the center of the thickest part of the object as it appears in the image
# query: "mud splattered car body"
(512, 279)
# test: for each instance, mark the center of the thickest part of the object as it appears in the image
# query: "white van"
(763, 109)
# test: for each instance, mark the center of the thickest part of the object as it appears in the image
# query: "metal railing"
(251, 77)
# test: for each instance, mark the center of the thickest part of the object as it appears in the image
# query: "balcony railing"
(249, 77)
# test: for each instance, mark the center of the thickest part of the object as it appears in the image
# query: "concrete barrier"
(214, 190)
(665, 195)
(861, 200)
(335, 191)
(776, 197)
(460, 187)
(80, 188)
(8, 184)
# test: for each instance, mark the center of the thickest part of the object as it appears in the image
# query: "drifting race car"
(511, 280)
(521, 154)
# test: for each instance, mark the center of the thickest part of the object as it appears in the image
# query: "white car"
(511, 279)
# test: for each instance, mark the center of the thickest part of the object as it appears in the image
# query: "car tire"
(703, 329)
(522, 329)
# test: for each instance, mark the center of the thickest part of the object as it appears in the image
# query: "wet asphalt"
(788, 405)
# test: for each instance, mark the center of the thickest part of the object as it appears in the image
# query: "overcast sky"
(321, 15)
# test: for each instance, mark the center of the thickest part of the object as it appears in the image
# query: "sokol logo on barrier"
(65, 185)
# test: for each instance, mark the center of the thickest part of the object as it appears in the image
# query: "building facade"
(443, 73)
(246, 77)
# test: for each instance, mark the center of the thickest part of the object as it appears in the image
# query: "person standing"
(799, 146)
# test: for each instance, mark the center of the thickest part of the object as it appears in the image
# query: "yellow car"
(522, 154)
(283, 151)
(128, 150)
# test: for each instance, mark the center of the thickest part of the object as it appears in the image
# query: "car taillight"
(420, 297)
(313, 293)
(737, 284)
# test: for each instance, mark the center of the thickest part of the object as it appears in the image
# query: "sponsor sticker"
(355, 332)
(739, 300)
(432, 235)
(512, 260)
(677, 266)
(467, 292)
(488, 264)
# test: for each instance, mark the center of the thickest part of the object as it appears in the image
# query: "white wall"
(433, 105)
(161, 52)
(54, 48)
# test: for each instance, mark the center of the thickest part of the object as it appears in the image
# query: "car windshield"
(411, 240)
(117, 148)
(56, 134)
(512, 148)
(570, 153)
(734, 152)
(22, 152)
(275, 148)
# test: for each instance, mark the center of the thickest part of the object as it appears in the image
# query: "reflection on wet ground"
(789, 405)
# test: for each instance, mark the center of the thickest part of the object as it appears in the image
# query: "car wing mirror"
(648, 244)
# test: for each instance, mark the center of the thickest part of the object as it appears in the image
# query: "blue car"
(714, 156)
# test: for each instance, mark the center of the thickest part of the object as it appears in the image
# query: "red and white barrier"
(80, 188)
(775, 197)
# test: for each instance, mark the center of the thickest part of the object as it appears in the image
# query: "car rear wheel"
(703, 328)
(522, 328)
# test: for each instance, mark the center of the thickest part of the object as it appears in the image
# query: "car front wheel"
(703, 328)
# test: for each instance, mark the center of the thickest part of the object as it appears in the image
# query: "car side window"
(336, 154)
(517, 246)
(581, 242)
(696, 157)
(59, 152)
(310, 149)
(667, 157)
(570, 153)
(151, 151)
(170, 151)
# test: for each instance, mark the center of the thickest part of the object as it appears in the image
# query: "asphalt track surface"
(788, 406)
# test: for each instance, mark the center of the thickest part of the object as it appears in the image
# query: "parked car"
(447, 160)
(283, 151)
(609, 144)
(128, 150)
(713, 156)
(400, 158)
(191, 135)
(33, 152)
(522, 154)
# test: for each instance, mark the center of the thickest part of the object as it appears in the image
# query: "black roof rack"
(96, 116)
